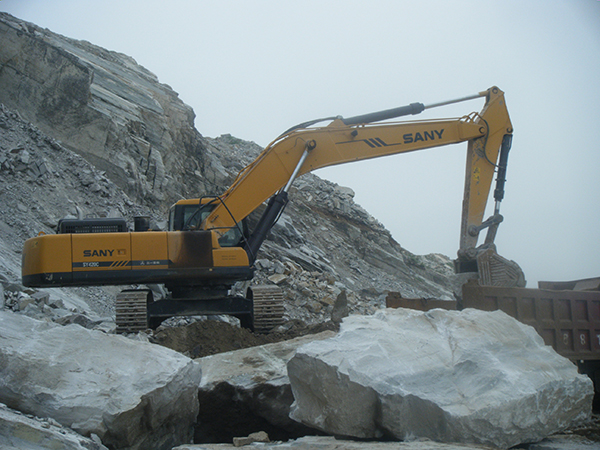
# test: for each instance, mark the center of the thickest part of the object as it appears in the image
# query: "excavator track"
(132, 311)
(267, 307)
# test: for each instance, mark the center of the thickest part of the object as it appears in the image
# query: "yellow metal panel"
(230, 257)
(189, 249)
(149, 250)
(101, 251)
(482, 155)
(47, 254)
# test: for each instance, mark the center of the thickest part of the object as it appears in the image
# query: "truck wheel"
(267, 306)
(132, 310)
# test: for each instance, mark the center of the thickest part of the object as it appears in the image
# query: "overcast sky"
(255, 68)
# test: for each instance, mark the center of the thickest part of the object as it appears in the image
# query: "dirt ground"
(210, 337)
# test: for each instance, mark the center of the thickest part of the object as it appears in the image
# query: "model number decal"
(91, 264)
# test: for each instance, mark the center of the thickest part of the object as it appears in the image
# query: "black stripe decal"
(372, 142)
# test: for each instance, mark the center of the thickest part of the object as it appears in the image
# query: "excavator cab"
(189, 214)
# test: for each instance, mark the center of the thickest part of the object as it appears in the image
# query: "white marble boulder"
(19, 431)
(130, 394)
(467, 376)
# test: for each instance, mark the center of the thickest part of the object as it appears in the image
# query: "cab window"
(188, 217)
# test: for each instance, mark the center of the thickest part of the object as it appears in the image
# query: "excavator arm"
(304, 148)
(334, 144)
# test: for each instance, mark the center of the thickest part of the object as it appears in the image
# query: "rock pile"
(33, 202)
(78, 379)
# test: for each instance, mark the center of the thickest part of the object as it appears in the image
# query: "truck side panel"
(569, 321)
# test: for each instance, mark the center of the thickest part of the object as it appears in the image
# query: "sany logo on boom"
(408, 138)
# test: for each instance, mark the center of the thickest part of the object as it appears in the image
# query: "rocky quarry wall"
(324, 242)
(87, 131)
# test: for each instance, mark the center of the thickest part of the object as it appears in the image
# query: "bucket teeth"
(494, 270)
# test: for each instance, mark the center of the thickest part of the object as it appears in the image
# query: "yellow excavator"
(208, 246)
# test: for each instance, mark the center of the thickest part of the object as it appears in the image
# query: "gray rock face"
(468, 376)
(132, 395)
(137, 151)
(102, 105)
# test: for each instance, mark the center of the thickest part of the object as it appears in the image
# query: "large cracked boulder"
(248, 390)
(133, 395)
(451, 376)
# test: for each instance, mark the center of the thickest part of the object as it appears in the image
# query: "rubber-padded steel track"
(267, 307)
(132, 311)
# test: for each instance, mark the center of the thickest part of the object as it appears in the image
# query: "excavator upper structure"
(208, 246)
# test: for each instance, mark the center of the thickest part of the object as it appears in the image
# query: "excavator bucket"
(494, 270)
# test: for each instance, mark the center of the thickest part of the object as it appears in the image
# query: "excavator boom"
(304, 149)
(335, 144)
